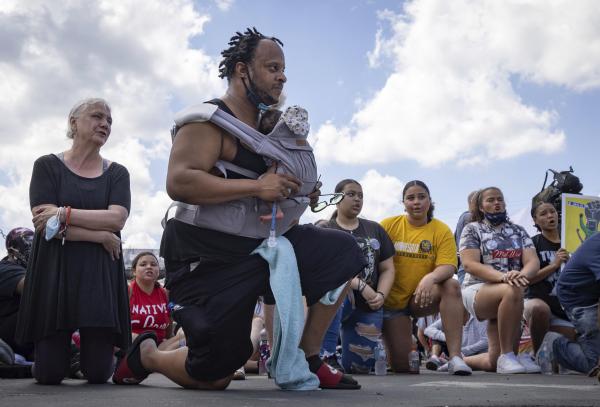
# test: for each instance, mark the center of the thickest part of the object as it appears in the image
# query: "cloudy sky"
(460, 94)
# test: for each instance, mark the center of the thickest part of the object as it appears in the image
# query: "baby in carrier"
(267, 123)
(282, 141)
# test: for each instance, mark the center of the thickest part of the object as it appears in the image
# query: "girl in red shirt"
(148, 302)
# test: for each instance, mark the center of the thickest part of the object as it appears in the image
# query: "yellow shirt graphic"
(419, 250)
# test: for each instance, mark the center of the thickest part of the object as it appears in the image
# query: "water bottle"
(264, 352)
(380, 359)
(414, 362)
(544, 359)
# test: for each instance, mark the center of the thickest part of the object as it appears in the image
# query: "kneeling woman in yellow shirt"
(425, 261)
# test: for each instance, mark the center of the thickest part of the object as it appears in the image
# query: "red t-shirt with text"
(149, 312)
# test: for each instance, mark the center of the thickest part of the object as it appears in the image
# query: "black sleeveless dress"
(76, 285)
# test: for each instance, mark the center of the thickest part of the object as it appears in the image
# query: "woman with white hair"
(75, 278)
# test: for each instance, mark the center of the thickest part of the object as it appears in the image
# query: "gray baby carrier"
(286, 144)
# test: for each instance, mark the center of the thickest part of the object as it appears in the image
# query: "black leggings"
(52, 356)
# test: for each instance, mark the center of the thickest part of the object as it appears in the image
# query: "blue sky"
(459, 94)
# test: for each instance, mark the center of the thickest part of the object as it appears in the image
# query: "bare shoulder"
(199, 132)
(197, 145)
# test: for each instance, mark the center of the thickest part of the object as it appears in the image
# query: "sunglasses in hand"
(333, 199)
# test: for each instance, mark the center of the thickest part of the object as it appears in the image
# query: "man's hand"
(314, 195)
(275, 187)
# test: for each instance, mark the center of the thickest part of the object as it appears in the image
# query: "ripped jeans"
(359, 332)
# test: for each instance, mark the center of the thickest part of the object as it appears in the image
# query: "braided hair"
(242, 48)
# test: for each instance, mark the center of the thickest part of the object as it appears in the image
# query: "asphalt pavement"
(425, 389)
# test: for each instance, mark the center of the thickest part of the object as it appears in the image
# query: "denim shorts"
(393, 313)
(468, 297)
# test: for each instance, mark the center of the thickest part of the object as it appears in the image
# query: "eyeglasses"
(334, 200)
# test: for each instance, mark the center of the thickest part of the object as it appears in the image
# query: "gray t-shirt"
(501, 247)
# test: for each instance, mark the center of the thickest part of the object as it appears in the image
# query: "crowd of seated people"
(510, 280)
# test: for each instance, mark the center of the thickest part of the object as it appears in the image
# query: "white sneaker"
(509, 364)
(458, 367)
(527, 362)
(443, 368)
(7, 356)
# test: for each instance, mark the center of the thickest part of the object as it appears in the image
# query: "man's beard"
(257, 96)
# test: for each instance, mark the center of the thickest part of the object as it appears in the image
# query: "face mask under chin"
(496, 218)
(259, 99)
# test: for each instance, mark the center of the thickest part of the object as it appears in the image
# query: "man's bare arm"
(195, 151)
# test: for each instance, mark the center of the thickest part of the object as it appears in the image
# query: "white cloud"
(224, 5)
(135, 54)
(383, 195)
(450, 97)
(383, 198)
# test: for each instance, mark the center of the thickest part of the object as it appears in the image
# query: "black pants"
(52, 356)
(8, 327)
(218, 299)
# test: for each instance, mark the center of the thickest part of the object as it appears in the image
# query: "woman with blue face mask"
(500, 260)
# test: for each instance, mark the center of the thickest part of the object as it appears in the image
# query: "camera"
(564, 182)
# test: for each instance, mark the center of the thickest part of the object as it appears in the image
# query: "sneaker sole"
(431, 366)
(511, 372)
(461, 373)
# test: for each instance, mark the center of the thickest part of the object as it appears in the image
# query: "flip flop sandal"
(129, 369)
(331, 378)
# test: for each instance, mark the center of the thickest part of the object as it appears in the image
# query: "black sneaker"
(75, 365)
(332, 361)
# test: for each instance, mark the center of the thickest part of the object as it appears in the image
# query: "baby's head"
(268, 120)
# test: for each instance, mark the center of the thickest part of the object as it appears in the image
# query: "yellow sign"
(580, 219)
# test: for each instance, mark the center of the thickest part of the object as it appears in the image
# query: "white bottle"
(544, 359)
(380, 359)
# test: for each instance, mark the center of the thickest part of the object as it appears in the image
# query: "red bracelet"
(68, 217)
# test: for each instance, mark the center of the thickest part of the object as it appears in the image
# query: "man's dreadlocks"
(242, 47)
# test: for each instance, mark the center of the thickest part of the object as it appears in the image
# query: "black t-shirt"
(10, 275)
(546, 252)
(544, 290)
(376, 246)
